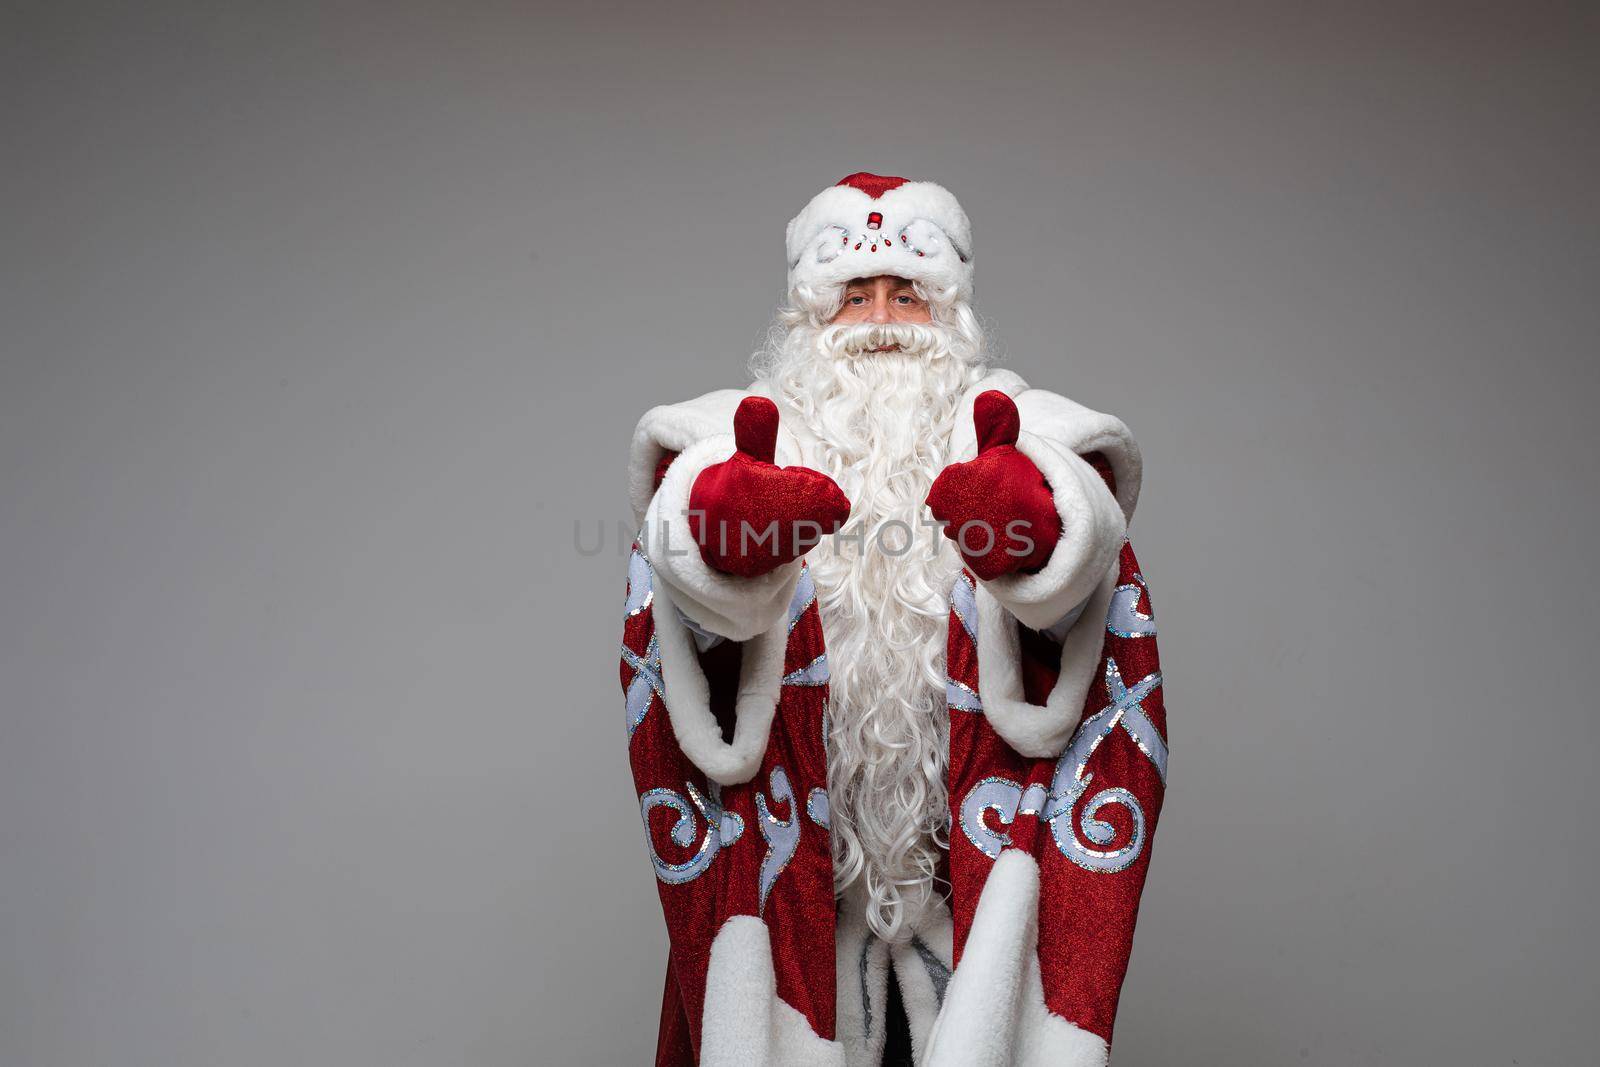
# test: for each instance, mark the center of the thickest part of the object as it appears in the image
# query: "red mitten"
(749, 516)
(994, 505)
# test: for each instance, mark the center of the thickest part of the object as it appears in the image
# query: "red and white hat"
(870, 224)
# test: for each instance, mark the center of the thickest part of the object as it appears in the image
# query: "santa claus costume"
(905, 781)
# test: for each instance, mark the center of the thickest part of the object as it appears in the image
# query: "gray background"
(322, 324)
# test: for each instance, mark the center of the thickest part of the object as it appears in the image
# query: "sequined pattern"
(723, 828)
(782, 835)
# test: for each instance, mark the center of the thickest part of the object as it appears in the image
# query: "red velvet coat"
(1057, 767)
(760, 848)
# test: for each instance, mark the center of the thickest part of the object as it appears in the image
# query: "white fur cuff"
(686, 692)
(745, 1023)
(994, 1012)
(1035, 731)
(729, 605)
(673, 428)
(1092, 530)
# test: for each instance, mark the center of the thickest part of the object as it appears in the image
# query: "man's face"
(884, 298)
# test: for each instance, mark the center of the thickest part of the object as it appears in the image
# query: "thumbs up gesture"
(749, 516)
(997, 508)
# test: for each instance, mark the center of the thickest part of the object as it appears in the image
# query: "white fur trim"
(994, 1012)
(915, 961)
(917, 217)
(862, 962)
(1056, 434)
(673, 428)
(1092, 530)
(751, 610)
(687, 696)
(1077, 430)
(729, 605)
(1038, 731)
(701, 432)
(745, 1023)
(861, 983)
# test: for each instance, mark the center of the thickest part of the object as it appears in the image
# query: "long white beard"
(882, 422)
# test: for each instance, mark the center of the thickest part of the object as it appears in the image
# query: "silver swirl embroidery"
(782, 835)
(826, 250)
(723, 828)
(962, 697)
(813, 673)
(805, 593)
(646, 682)
(1034, 799)
(964, 602)
(999, 795)
(1009, 800)
(938, 971)
(817, 806)
(1123, 617)
(1072, 778)
(817, 799)
(641, 588)
(647, 668)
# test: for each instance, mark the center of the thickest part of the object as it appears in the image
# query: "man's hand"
(997, 508)
(749, 516)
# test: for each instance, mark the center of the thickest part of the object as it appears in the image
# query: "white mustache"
(866, 338)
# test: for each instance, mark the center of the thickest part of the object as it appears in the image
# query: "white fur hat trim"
(869, 224)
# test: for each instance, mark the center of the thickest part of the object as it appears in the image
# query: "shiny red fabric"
(799, 910)
(874, 185)
(661, 467)
(1086, 917)
(748, 516)
(997, 508)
